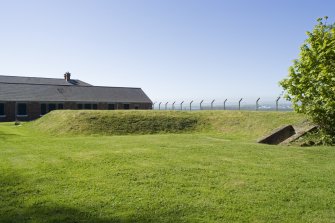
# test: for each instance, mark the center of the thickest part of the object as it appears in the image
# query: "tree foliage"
(310, 85)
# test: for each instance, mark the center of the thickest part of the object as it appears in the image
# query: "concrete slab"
(278, 135)
(300, 133)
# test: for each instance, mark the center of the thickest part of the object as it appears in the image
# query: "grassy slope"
(200, 177)
(245, 124)
(248, 125)
(116, 122)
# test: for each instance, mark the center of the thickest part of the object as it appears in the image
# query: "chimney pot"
(67, 76)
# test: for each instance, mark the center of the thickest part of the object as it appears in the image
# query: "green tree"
(310, 85)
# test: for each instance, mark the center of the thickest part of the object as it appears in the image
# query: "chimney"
(67, 76)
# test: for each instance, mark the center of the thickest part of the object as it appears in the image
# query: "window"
(43, 109)
(51, 107)
(111, 106)
(126, 106)
(22, 109)
(46, 107)
(2, 109)
(136, 107)
(88, 106)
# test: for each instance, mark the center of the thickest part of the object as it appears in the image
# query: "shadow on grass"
(15, 196)
(51, 213)
(4, 136)
(20, 203)
(13, 207)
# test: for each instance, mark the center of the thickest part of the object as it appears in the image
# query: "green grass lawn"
(216, 173)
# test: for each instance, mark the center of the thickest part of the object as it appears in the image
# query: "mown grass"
(218, 174)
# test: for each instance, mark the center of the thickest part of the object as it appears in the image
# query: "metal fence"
(277, 104)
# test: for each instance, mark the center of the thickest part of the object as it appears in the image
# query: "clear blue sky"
(172, 49)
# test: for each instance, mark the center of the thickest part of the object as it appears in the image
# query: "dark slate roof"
(62, 93)
(41, 80)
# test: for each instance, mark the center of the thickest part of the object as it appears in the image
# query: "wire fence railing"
(277, 104)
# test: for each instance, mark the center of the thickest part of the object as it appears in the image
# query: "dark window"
(111, 106)
(88, 106)
(51, 107)
(60, 106)
(136, 107)
(43, 109)
(79, 106)
(126, 106)
(95, 106)
(2, 109)
(22, 109)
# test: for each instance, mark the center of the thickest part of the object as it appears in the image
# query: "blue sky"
(172, 49)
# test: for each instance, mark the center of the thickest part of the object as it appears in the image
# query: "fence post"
(153, 106)
(277, 103)
(224, 104)
(201, 104)
(257, 104)
(191, 105)
(173, 105)
(159, 105)
(212, 104)
(181, 105)
(239, 104)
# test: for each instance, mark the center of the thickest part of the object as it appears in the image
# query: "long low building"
(28, 98)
